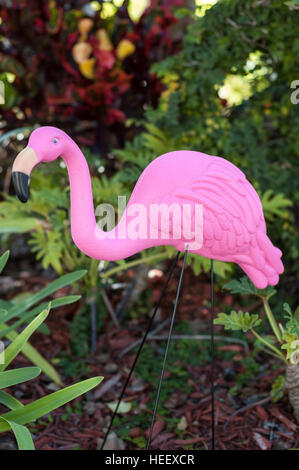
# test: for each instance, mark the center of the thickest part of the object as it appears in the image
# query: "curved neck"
(92, 241)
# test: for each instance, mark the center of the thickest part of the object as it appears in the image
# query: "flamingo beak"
(21, 170)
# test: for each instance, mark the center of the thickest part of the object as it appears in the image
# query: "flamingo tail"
(266, 264)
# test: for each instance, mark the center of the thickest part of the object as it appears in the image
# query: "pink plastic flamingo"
(234, 228)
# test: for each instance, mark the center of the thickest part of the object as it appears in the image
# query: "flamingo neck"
(88, 237)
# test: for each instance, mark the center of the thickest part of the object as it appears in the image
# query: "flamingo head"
(45, 145)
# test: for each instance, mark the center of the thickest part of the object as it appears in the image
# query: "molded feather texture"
(234, 228)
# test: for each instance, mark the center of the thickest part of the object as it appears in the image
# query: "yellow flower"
(81, 52)
(84, 26)
(124, 49)
(104, 40)
(87, 68)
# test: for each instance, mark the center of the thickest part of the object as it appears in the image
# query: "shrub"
(66, 62)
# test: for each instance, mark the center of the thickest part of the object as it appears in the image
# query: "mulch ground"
(245, 421)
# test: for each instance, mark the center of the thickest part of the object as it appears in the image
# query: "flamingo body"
(233, 224)
(234, 227)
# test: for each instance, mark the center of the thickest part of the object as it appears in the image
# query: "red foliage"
(50, 85)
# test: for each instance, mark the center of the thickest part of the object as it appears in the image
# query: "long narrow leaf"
(10, 402)
(69, 299)
(3, 260)
(16, 376)
(3, 313)
(4, 304)
(19, 225)
(44, 329)
(22, 435)
(55, 303)
(45, 405)
(19, 342)
(62, 281)
(35, 357)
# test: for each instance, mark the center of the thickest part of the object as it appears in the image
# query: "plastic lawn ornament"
(195, 202)
(233, 226)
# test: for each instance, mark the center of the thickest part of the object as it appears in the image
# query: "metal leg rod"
(212, 357)
(174, 263)
(166, 351)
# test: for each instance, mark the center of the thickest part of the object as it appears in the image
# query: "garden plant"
(19, 414)
(282, 343)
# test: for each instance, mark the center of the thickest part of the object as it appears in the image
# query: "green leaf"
(259, 345)
(16, 376)
(277, 388)
(246, 287)
(275, 205)
(287, 308)
(49, 247)
(3, 313)
(62, 281)
(267, 344)
(44, 329)
(20, 225)
(293, 320)
(18, 343)
(3, 260)
(55, 303)
(10, 402)
(291, 346)
(45, 405)
(35, 357)
(4, 304)
(237, 320)
(22, 435)
(200, 263)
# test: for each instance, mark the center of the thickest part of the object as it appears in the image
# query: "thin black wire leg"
(212, 357)
(174, 263)
(166, 351)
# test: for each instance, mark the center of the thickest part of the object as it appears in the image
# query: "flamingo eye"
(55, 140)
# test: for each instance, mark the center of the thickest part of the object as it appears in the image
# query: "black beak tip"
(20, 181)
